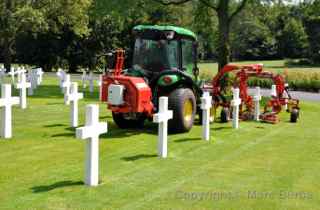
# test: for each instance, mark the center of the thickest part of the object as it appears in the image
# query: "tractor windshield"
(155, 55)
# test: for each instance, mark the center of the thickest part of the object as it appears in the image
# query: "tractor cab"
(164, 48)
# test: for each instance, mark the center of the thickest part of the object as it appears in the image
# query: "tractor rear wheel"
(183, 104)
(122, 122)
(224, 115)
(294, 115)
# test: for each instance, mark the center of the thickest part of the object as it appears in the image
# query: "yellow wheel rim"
(188, 110)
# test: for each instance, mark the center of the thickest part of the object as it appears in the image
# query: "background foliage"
(74, 34)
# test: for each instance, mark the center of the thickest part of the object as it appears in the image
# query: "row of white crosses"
(90, 132)
(89, 78)
(35, 78)
(164, 115)
(35, 74)
(256, 99)
(7, 101)
(93, 129)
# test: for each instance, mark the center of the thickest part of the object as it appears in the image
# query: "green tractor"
(165, 59)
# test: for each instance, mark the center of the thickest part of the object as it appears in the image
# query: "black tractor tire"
(294, 115)
(224, 115)
(124, 123)
(183, 104)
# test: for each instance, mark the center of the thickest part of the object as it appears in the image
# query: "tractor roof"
(178, 30)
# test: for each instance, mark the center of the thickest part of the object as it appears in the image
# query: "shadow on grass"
(63, 135)
(53, 104)
(187, 139)
(71, 129)
(54, 125)
(138, 157)
(47, 188)
(116, 132)
(221, 128)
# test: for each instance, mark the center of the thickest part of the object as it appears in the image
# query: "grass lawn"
(278, 66)
(42, 166)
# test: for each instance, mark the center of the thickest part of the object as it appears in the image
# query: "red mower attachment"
(242, 73)
(126, 94)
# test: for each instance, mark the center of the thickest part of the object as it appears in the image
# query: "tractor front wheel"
(294, 115)
(224, 115)
(122, 122)
(183, 104)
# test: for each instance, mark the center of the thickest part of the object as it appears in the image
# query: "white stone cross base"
(91, 131)
(74, 97)
(6, 103)
(162, 118)
(66, 88)
(235, 104)
(256, 100)
(23, 85)
(206, 104)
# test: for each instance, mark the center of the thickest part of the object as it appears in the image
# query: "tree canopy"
(75, 34)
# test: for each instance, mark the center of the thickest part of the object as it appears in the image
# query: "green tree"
(312, 23)
(253, 40)
(294, 39)
(18, 17)
(15, 17)
(226, 11)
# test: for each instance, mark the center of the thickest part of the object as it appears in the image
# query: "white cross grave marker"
(19, 73)
(66, 88)
(31, 80)
(84, 79)
(162, 118)
(39, 74)
(100, 87)
(285, 95)
(61, 75)
(23, 85)
(257, 99)
(6, 102)
(91, 82)
(11, 73)
(73, 97)
(91, 131)
(274, 91)
(206, 104)
(236, 101)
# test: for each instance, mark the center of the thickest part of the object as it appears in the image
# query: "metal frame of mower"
(242, 73)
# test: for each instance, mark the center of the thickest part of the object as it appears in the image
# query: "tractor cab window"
(155, 55)
(187, 55)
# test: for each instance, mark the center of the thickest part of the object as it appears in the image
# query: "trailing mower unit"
(241, 75)
(165, 64)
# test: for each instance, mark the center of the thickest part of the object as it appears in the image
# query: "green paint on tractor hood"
(178, 30)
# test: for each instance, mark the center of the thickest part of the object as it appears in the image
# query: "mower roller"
(165, 64)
